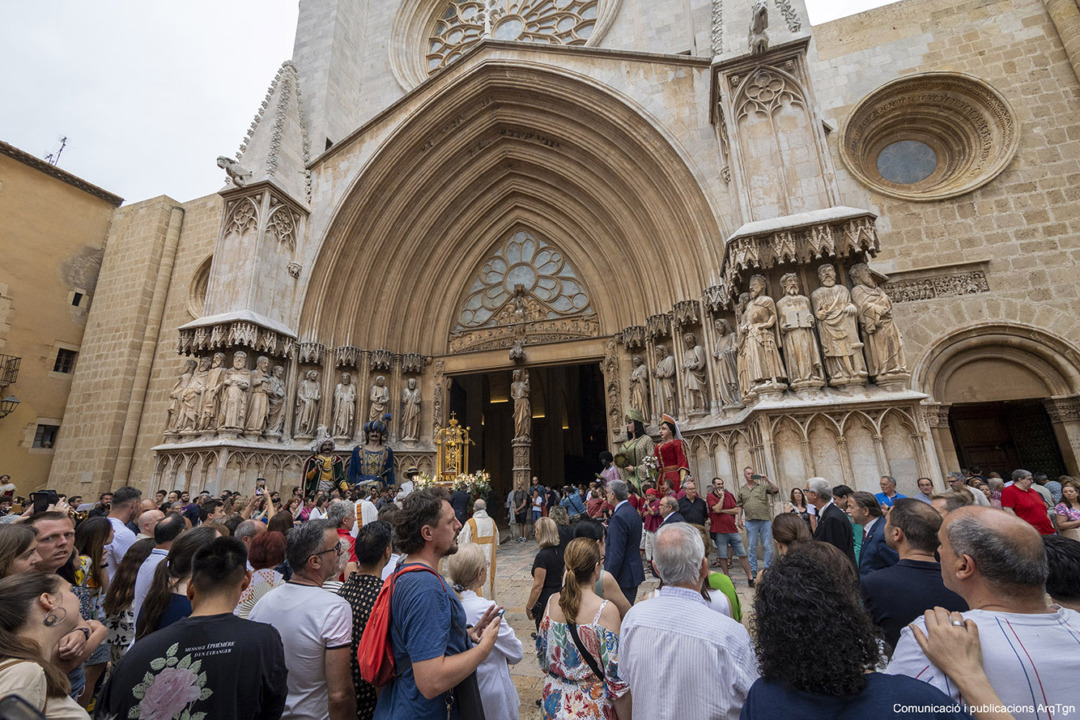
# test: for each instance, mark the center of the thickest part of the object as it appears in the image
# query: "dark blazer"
(900, 594)
(623, 559)
(875, 553)
(672, 518)
(834, 527)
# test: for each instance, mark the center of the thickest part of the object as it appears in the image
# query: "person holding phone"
(756, 504)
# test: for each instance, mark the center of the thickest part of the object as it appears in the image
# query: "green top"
(755, 501)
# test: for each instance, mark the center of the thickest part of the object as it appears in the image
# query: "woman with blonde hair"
(547, 569)
(583, 683)
(469, 571)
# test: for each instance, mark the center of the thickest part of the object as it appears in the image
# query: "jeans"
(756, 529)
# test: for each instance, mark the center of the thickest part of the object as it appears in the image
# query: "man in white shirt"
(407, 486)
(315, 627)
(677, 629)
(366, 512)
(164, 533)
(125, 505)
(996, 562)
(481, 529)
(958, 484)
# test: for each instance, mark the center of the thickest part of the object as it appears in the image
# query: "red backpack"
(374, 654)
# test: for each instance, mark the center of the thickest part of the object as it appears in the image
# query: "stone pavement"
(513, 580)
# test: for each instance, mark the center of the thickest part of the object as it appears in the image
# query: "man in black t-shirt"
(211, 664)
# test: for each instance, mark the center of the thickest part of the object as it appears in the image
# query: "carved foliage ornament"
(241, 216)
(233, 335)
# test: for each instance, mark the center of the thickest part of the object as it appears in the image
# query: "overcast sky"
(149, 92)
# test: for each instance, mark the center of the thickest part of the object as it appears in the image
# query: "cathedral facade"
(848, 250)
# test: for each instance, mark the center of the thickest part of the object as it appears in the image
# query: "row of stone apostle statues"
(208, 398)
(796, 342)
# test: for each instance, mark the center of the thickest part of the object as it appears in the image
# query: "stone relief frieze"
(529, 333)
(928, 288)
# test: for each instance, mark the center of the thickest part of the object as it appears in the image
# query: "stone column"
(882, 458)
(1065, 418)
(1065, 14)
(937, 416)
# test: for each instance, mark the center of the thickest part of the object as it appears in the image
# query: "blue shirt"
(887, 501)
(769, 700)
(573, 504)
(426, 621)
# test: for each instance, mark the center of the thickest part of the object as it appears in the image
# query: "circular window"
(929, 136)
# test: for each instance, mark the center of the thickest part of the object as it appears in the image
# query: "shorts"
(537, 514)
(522, 517)
(732, 540)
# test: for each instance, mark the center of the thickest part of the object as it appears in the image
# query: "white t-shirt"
(316, 514)
(1032, 660)
(145, 579)
(114, 551)
(310, 621)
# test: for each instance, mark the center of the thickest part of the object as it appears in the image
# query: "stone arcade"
(845, 251)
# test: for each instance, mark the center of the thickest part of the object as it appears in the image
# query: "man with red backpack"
(435, 654)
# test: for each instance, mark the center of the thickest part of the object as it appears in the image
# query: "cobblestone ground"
(513, 579)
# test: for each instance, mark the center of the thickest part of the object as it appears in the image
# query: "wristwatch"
(85, 631)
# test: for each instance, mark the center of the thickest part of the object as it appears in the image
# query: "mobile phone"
(42, 499)
(14, 707)
(501, 612)
(755, 477)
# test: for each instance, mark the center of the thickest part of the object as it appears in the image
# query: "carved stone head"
(263, 362)
(219, 360)
(722, 326)
(204, 363)
(861, 274)
(312, 375)
(239, 360)
(189, 365)
(380, 380)
(346, 379)
(412, 383)
(827, 275)
(661, 351)
(790, 283)
(689, 339)
(757, 286)
(636, 360)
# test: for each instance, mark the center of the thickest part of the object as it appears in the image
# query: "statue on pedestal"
(797, 330)
(344, 406)
(884, 344)
(307, 404)
(275, 421)
(836, 314)
(727, 360)
(210, 406)
(234, 399)
(697, 386)
(664, 372)
(175, 416)
(519, 392)
(410, 412)
(760, 339)
(191, 398)
(639, 387)
(259, 404)
(380, 399)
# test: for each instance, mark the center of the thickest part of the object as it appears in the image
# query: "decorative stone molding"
(310, 353)
(965, 130)
(1063, 409)
(294, 269)
(282, 224)
(234, 334)
(658, 326)
(381, 359)
(612, 387)
(200, 281)
(348, 356)
(529, 333)
(715, 300)
(965, 283)
(633, 337)
(937, 415)
(687, 312)
(790, 16)
(413, 362)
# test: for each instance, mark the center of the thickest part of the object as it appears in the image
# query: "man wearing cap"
(408, 486)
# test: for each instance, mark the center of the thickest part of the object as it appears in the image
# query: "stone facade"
(660, 170)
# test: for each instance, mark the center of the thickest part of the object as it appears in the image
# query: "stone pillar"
(1065, 14)
(845, 460)
(522, 449)
(1065, 418)
(937, 416)
(882, 458)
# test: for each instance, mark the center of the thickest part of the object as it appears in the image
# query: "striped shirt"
(711, 654)
(1032, 660)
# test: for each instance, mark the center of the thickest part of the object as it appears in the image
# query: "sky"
(149, 93)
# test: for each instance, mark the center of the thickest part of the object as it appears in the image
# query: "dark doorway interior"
(1004, 436)
(569, 427)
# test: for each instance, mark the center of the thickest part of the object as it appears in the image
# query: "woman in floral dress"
(572, 689)
(91, 583)
(119, 617)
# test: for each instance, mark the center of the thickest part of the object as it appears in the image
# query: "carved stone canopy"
(687, 312)
(310, 353)
(659, 326)
(206, 335)
(348, 356)
(633, 337)
(413, 362)
(381, 359)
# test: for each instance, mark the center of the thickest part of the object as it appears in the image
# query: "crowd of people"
(182, 606)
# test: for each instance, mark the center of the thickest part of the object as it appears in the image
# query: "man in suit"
(900, 594)
(875, 553)
(833, 526)
(623, 560)
(669, 510)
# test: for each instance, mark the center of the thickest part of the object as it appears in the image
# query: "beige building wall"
(51, 243)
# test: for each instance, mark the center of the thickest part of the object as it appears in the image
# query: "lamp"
(8, 405)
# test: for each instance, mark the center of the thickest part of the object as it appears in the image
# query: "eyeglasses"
(336, 549)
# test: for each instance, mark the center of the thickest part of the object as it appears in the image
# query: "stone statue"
(740, 346)
(727, 361)
(234, 393)
(835, 314)
(380, 399)
(275, 419)
(307, 404)
(238, 175)
(519, 392)
(410, 412)
(695, 370)
(344, 406)
(764, 369)
(259, 403)
(758, 39)
(884, 345)
(664, 372)
(804, 366)
(639, 387)
(211, 399)
(175, 416)
(192, 396)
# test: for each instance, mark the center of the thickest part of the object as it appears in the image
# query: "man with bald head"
(148, 521)
(996, 562)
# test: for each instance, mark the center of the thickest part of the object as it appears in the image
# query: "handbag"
(465, 696)
(585, 654)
